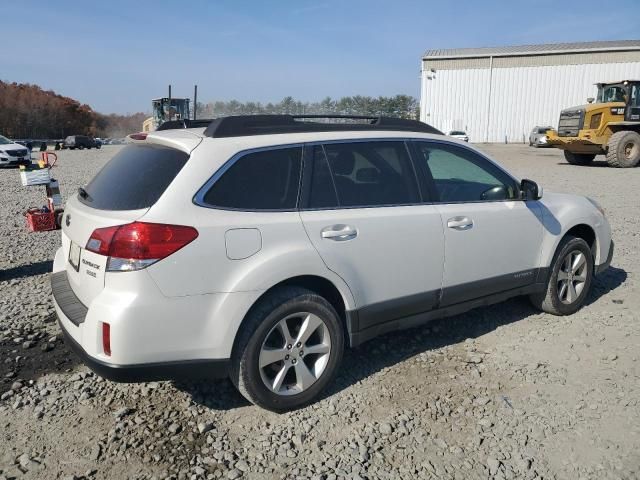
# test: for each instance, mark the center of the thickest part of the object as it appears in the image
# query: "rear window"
(135, 178)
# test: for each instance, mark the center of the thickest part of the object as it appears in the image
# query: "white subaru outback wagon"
(259, 247)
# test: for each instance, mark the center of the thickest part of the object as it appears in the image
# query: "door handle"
(339, 233)
(460, 223)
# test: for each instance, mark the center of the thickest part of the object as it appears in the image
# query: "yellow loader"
(609, 126)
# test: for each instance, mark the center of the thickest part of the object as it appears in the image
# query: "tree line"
(403, 106)
(29, 112)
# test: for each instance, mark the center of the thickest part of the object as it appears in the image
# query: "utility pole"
(195, 101)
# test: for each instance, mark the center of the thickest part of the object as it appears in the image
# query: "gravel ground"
(499, 392)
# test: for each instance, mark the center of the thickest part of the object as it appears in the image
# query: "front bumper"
(14, 161)
(71, 314)
(575, 144)
(603, 266)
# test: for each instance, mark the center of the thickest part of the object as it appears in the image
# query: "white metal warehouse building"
(498, 94)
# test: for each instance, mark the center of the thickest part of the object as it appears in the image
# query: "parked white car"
(260, 247)
(538, 137)
(12, 154)
(459, 134)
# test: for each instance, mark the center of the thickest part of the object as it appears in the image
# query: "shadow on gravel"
(604, 283)
(595, 163)
(213, 394)
(29, 270)
(23, 362)
(393, 348)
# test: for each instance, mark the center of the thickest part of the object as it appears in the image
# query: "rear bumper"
(72, 314)
(188, 369)
(603, 266)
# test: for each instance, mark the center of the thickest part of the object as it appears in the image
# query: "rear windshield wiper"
(84, 194)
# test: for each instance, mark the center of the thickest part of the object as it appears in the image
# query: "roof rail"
(184, 123)
(244, 125)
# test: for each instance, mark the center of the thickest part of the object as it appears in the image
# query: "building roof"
(525, 50)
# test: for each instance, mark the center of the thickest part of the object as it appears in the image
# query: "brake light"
(137, 245)
(138, 136)
(106, 339)
(100, 240)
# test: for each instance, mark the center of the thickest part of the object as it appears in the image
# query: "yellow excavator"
(609, 126)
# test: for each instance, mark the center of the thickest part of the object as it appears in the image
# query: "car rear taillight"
(137, 245)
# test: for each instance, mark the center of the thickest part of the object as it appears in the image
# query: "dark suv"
(80, 141)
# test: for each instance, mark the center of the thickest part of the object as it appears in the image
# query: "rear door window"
(363, 174)
(265, 180)
(322, 191)
(135, 178)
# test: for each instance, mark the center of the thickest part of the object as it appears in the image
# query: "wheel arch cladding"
(587, 233)
(319, 285)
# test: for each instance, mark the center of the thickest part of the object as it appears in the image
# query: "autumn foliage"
(29, 112)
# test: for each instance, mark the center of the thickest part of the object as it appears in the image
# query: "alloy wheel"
(294, 353)
(572, 277)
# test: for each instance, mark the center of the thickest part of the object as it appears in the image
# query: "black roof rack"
(244, 125)
(184, 123)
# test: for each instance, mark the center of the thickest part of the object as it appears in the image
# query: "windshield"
(611, 93)
(457, 132)
(4, 140)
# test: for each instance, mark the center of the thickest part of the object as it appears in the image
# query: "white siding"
(521, 97)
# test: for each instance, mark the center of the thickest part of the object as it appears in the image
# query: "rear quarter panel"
(204, 266)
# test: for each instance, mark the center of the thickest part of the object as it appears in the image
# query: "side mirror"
(591, 100)
(530, 190)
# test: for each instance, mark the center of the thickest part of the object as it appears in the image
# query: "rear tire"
(570, 277)
(624, 149)
(578, 158)
(274, 364)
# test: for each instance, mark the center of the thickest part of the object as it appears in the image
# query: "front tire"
(578, 158)
(624, 149)
(569, 279)
(288, 350)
